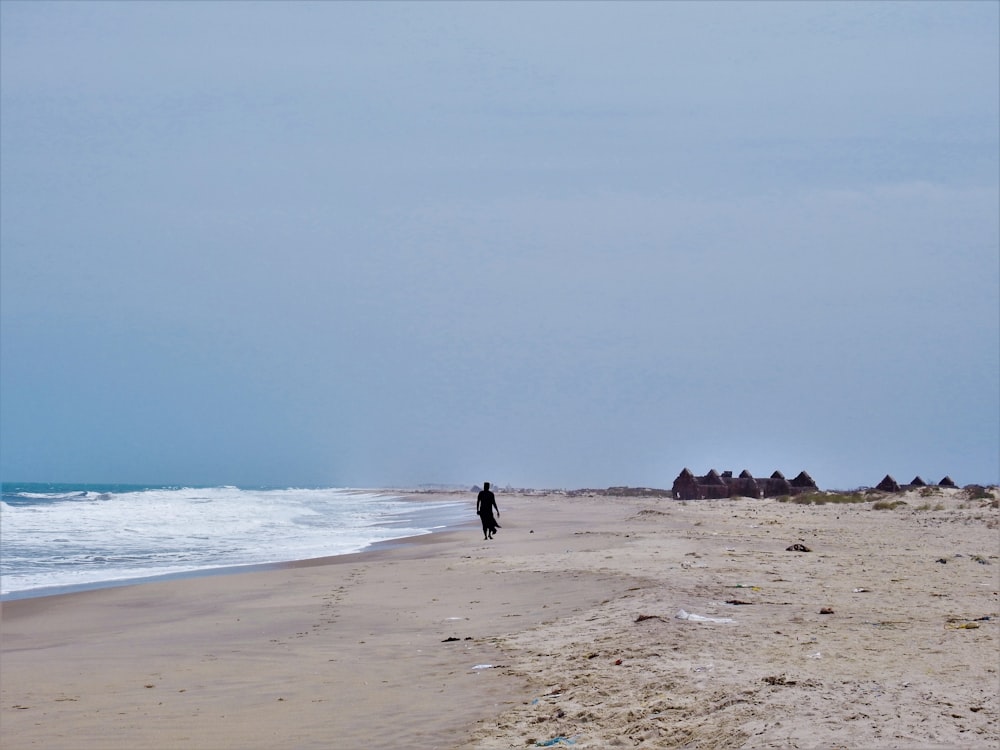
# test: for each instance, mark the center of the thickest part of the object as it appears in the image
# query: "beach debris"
(483, 666)
(747, 586)
(817, 655)
(560, 740)
(685, 615)
(737, 602)
(962, 623)
(778, 679)
(641, 618)
(860, 590)
(451, 638)
(976, 558)
(826, 611)
(618, 662)
(797, 548)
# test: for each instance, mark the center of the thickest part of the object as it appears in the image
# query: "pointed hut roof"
(917, 482)
(947, 482)
(686, 485)
(746, 486)
(803, 480)
(775, 486)
(745, 474)
(888, 484)
(712, 478)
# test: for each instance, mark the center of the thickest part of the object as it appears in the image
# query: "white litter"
(483, 666)
(684, 615)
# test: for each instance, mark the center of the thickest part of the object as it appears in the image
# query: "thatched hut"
(917, 482)
(776, 485)
(803, 482)
(688, 486)
(745, 485)
(712, 486)
(685, 486)
(888, 484)
(947, 482)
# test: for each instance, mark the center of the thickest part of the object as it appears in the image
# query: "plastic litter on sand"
(685, 615)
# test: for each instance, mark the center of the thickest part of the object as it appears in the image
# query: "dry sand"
(574, 608)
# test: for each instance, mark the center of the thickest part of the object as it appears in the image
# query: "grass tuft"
(888, 504)
(822, 498)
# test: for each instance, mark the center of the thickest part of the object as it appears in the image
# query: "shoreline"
(381, 648)
(565, 625)
(224, 570)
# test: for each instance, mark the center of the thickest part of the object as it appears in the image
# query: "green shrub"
(888, 504)
(822, 498)
(848, 497)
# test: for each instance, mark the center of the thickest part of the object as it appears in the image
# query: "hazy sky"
(545, 244)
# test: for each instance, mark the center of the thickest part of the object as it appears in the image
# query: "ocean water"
(57, 538)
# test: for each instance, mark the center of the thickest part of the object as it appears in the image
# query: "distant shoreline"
(227, 570)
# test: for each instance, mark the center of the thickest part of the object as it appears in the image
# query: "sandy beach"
(590, 620)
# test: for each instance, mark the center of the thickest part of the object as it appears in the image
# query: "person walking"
(486, 503)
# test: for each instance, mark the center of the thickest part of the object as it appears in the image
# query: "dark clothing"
(485, 504)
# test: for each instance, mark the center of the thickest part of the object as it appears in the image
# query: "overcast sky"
(545, 244)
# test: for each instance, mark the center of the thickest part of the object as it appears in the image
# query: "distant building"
(888, 484)
(688, 486)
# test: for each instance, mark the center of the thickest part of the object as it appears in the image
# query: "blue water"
(55, 538)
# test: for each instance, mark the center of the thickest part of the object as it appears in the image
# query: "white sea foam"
(72, 539)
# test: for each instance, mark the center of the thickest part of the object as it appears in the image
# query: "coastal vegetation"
(888, 504)
(822, 498)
